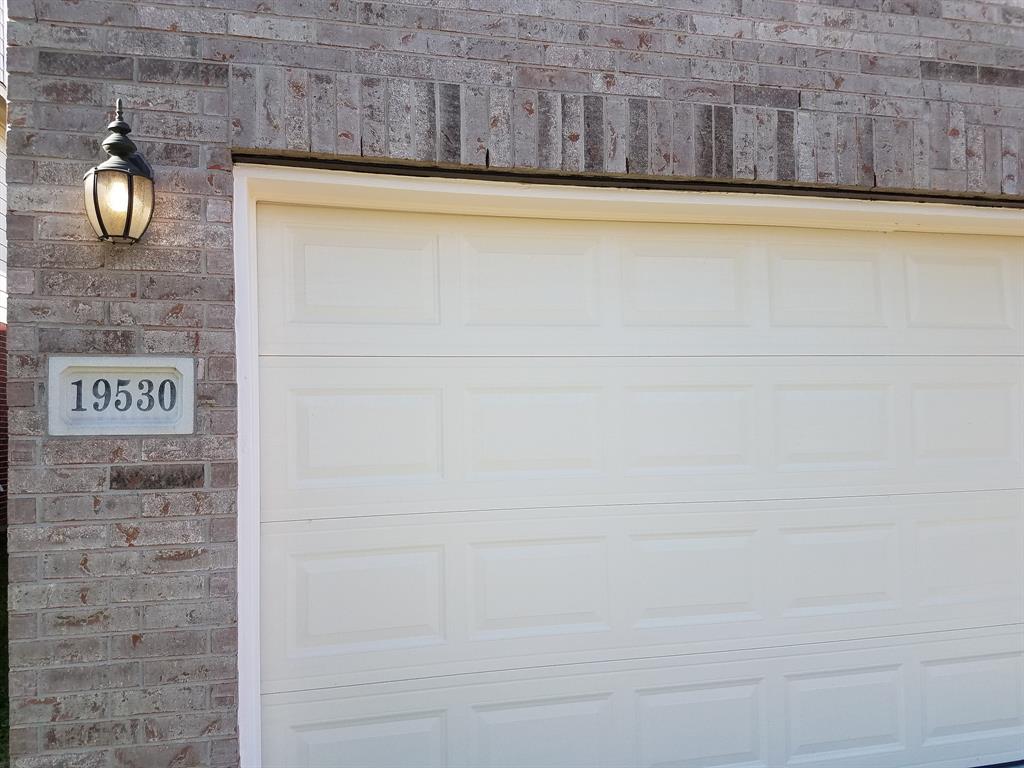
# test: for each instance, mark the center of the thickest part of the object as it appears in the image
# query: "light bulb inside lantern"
(115, 195)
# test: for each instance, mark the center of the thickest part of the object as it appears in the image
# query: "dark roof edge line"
(399, 168)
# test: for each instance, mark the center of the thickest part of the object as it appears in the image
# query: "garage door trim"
(267, 184)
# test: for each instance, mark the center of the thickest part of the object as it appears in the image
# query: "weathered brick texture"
(122, 591)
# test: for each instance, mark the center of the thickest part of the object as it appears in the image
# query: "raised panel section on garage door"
(346, 437)
(455, 593)
(342, 282)
(900, 703)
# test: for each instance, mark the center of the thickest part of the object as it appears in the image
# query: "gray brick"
(724, 71)
(702, 91)
(188, 504)
(638, 143)
(975, 158)
(172, 728)
(269, 27)
(38, 595)
(168, 698)
(948, 70)
(70, 311)
(766, 159)
(164, 287)
(400, 110)
(75, 735)
(473, 72)
(572, 133)
(1011, 182)
(593, 133)
(786, 33)
(296, 110)
(48, 653)
(991, 168)
(703, 138)
(59, 708)
(475, 125)
(744, 142)
(575, 57)
(682, 140)
(865, 138)
(154, 476)
(140, 645)
(847, 172)
(551, 79)
(549, 130)
(957, 133)
(825, 148)
(98, 67)
(1011, 77)
(180, 755)
(805, 147)
(631, 85)
(930, 8)
(779, 98)
(424, 121)
(661, 116)
(176, 314)
(698, 47)
(373, 127)
(349, 134)
(723, 142)
(474, 22)
(117, 674)
(148, 42)
(895, 66)
(500, 122)
(390, 15)
(616, 131)
(450, 123)
(100, 341)
(57, 480)
(893, 153)
(188, 670)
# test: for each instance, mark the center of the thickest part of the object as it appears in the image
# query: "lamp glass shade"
(119, 204)
(142, 206)
(91, 208)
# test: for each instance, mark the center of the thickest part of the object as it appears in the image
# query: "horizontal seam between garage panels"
(754, 500)
(624, 660)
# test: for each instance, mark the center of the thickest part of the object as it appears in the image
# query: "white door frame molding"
(254, 184)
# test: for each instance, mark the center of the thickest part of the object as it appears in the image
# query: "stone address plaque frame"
(121, 395)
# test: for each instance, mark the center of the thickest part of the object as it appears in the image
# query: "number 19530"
(147, 395)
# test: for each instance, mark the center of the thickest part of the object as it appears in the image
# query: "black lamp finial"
(117, 144)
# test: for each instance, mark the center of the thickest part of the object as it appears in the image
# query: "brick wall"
(897, 94)
(122, 549)
(3, 309)
(122, 597)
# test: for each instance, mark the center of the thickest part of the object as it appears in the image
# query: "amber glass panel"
(112, 189)
(90, 204)
(142, 206)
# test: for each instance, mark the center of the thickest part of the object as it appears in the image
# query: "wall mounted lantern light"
(119, 191)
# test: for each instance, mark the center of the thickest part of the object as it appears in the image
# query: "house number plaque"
(121, 395)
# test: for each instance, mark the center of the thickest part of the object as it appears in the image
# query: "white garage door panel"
(336, 282)
(369, 600)
(350, 437)
(942, 702)
(598, 493)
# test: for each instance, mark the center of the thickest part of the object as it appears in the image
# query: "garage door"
(577, 493)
